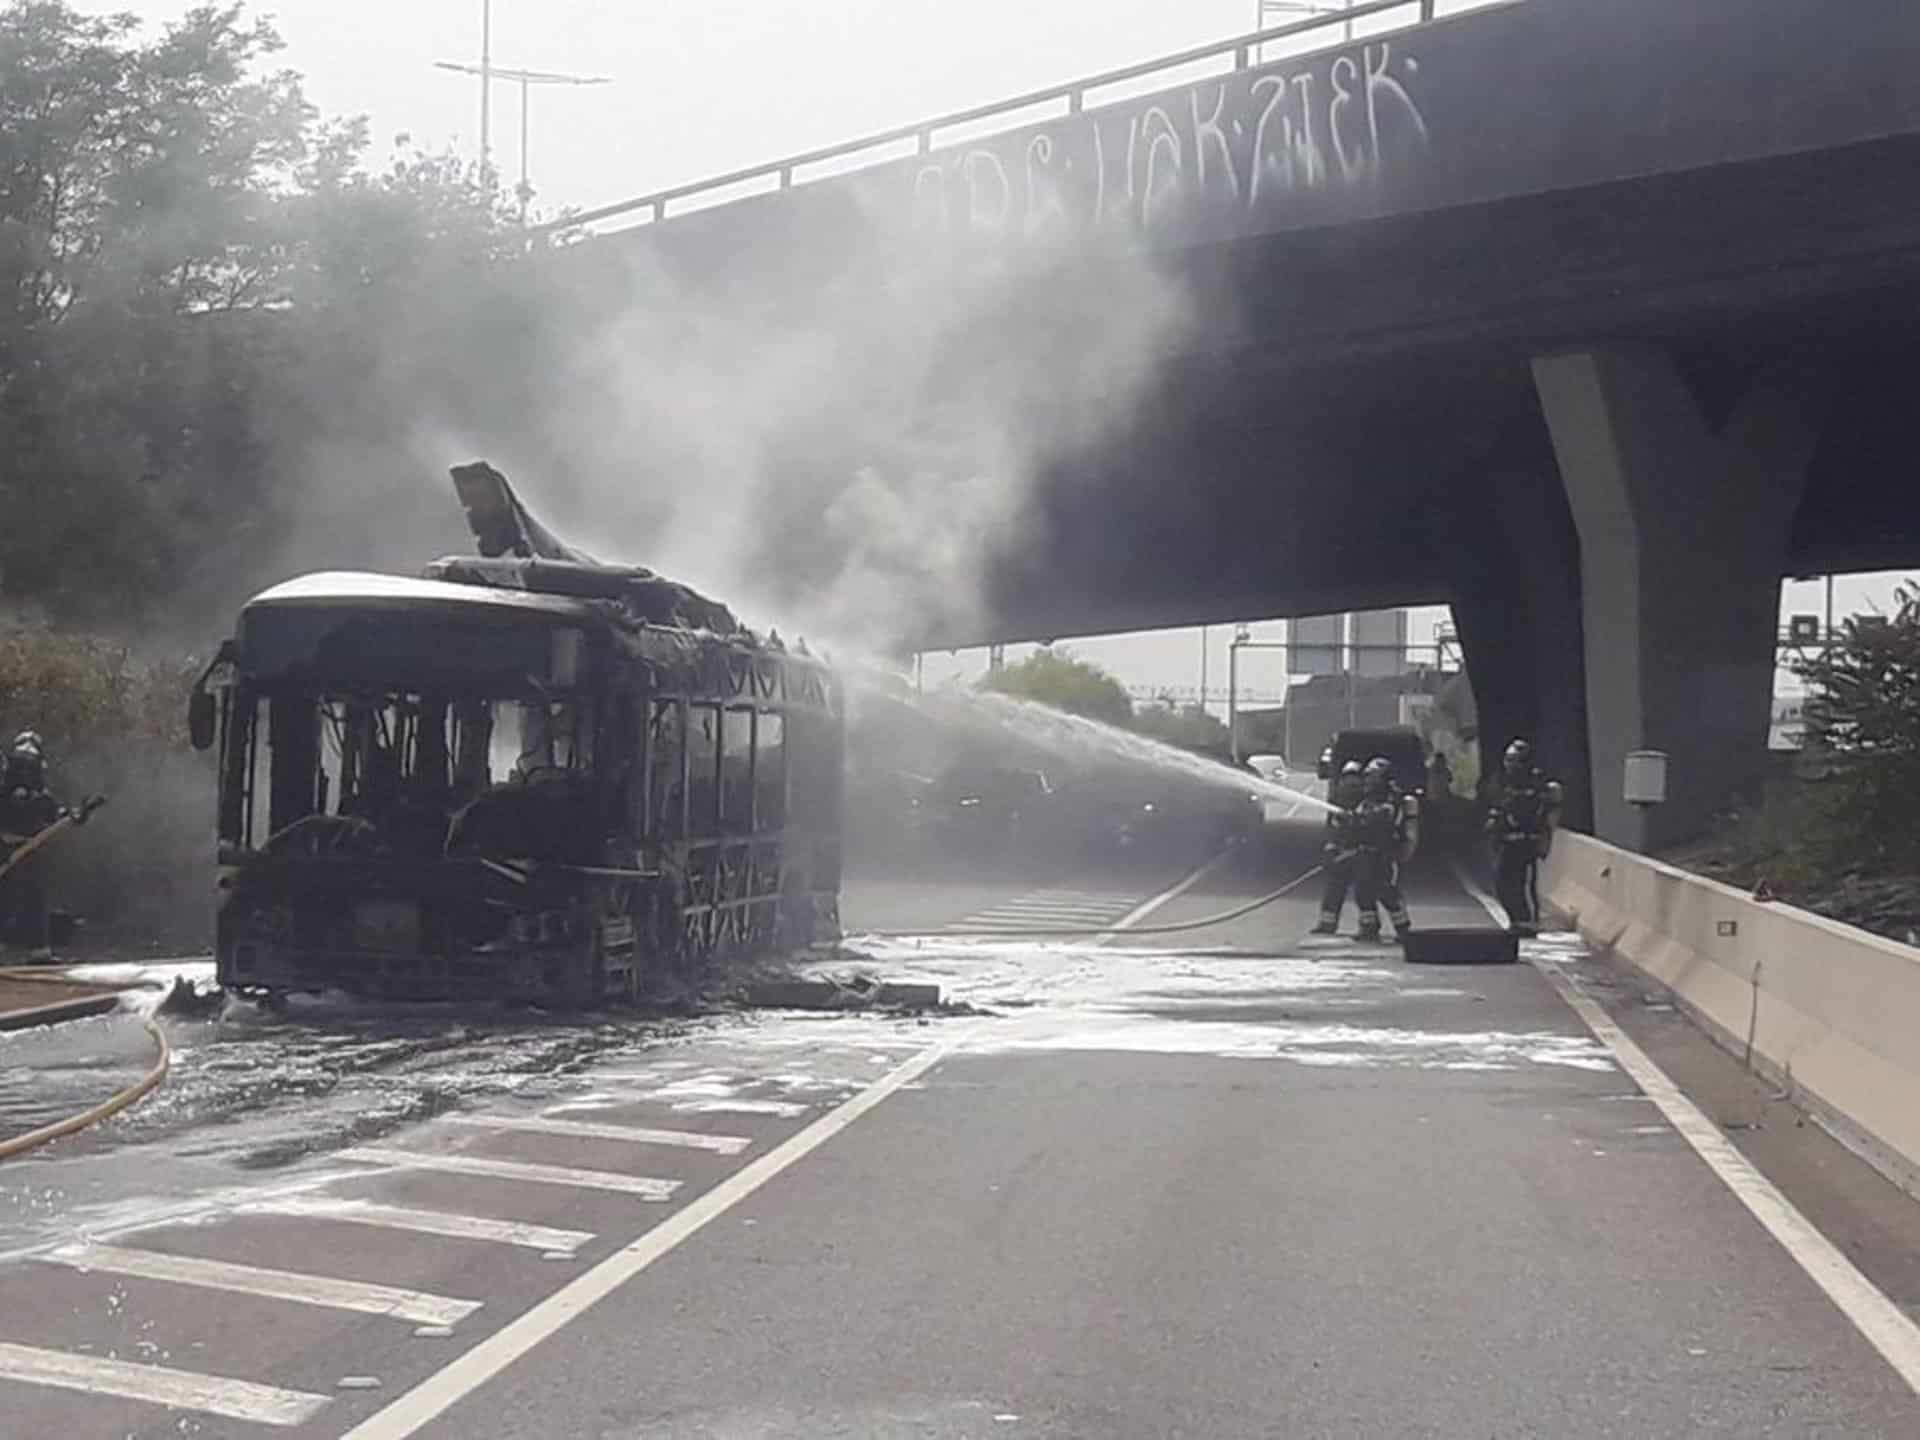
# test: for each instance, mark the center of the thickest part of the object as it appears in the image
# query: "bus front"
(410, 793)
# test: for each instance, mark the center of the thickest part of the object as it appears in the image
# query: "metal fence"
(1244, 51)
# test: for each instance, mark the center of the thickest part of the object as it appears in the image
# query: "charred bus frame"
(509, 779)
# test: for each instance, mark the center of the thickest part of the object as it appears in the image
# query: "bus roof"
(365, 590)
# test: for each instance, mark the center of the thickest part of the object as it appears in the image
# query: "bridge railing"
(784, 173)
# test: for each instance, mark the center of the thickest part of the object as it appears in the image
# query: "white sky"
(701, 88)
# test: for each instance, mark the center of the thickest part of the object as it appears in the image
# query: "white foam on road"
(325, 1291)
(645, 1186)
(589, 1130)
(176, 1389)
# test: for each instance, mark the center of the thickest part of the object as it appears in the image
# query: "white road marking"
(646, 1187)
(435, 1395)
(294, 1286)
(1166, 897)
(1041, 910)
(785, 1108)
(1885, 1325)
(1061, 912)
(591, 1130)
(178, 1389)
(423, 1222)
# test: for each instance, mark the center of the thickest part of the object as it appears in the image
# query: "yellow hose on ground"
(106, 1110)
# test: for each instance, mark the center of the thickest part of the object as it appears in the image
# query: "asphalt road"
(1212, 1181)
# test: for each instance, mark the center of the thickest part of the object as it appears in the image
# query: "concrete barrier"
(1828, 1012)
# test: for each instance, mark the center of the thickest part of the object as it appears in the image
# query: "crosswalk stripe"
(646, 1187)
(1019, 917)
(177, 1389)
(301, 1289)
(740, 1107)
(423, 1222)
(1060, 905)
(592, 1130)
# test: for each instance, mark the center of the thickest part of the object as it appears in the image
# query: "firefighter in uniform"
(1526, 807)
(27, 807)
(1341, 853)
(1389, 831)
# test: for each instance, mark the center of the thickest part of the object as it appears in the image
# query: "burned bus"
(524, 776)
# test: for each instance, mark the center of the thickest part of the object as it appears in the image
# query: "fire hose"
(1030, 933)
(106, 1109)
(42, 836)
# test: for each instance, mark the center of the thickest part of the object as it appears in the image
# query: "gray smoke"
(845, 463)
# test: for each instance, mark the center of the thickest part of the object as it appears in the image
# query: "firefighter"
(1526, 807)
(1389, 831)
(27, 808)
(1341, 853)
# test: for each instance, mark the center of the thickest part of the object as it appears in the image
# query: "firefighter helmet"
(1379, 775)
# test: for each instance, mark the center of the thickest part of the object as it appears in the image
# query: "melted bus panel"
(517, 778)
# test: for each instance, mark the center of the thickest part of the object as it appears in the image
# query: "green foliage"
(216, 316)
(203, 286)
(1055, 678)
(1863, 718)
(1188, 726)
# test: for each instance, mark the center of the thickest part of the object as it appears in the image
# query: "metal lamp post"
(1241, 638)
(1286, 9)
(526, 80)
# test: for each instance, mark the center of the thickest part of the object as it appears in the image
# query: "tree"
(215, 317)
(1057, 679)
(1188, 726)
(1863, 714)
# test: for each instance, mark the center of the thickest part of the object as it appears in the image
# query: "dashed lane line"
(155, 1384)
(1883, 1324)
(415, 1306)
(422, 1222)
(591, 1130)
(644, 1186)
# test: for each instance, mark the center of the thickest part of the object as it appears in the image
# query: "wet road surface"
(1216, 1182)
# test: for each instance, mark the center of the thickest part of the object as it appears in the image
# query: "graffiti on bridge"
(1245, 146)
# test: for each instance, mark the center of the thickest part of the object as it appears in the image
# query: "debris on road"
(827, 992)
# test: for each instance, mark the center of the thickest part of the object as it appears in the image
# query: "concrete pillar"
(1516, 602)
(1683, 528)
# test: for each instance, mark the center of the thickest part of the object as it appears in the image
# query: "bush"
(1863, 720)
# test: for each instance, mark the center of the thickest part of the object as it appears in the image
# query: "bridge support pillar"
(1683, 528)
(1515, 597)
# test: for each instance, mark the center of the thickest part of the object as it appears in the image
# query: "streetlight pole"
(526, 80)
(1240, 638)
(486, 87)
(1203, 669)
(1265, 8)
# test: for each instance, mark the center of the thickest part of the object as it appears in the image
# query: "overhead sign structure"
(1380, 643)
(1314, 645)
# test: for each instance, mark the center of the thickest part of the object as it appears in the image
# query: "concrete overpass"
(1593, 321)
